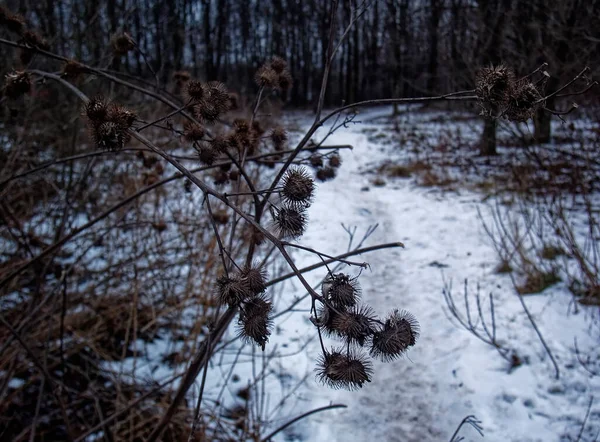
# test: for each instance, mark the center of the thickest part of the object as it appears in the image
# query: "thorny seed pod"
(121, 116)
(33, 39)
(524, 102)
(255, 277)
(96, 110)
(339, 369)
(255, 322)
(335, 161)
(16, 84)
(207, 154)
(298, 187)
(285, 80)
(257, 128)
(355, 325)
(195, 90)
(193, 132)
(316, 160)
(109, 136)
(73, 69)
(219, 144)
(241, 126)
(399, 332)
(326, 317)
(278, 137)
(231, 290)
(341, 290)
(220, 177)
(290, 221)
(234, 175)
(266, 76)
(493, 85)
(325, 174)
(13, 22)
(216, 97)
(122, 44)
(278, 64)
(221, 217)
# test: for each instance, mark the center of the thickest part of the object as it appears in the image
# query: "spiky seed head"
(341, 290)
(346, 370)
(195, 90)
(122, 44)
(278, 64)
(219, 144)
(121, 115)
(316, 160)
(399, 332)
(109, 136)
(234, 175)
(290, 221)
(207, 154)
(214, 102)
(73, 69)
(278, 137)
(221, 217)
(285, 80)
(220, 177)
(96, 110)
(257, 128)
(256, 279)
(326, 317)
(16, 84)
(335, 161)
(12, 22)
(234, 101)
(266, 76)
(493, 84)
(355, 325)
(193, 132)
(34, 39)
(524, 102)
(298, 186)
(231, 290)
(325, 174)
(255, 322)
(241, 126)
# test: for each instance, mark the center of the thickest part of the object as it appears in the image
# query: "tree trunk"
(488, 139)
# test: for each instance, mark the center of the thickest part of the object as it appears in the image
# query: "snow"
(449, 374)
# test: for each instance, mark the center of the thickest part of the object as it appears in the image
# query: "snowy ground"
(449, 374)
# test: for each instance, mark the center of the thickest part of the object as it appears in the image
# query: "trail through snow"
(449, 374)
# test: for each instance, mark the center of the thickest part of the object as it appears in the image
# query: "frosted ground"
(449, 374)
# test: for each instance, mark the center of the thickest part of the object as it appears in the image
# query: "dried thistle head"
(234, 175)
(213, 103)
(16, 84)
(122, 43)
(335, 161)
(12, 22)
(241, 126)
(72, 69)
(400, 331)
(316, 160)
(325, 174)
(346, 370)
(278, 137)
(494, 84)
(341, 290)
(193, 132)
(285, 80)
(255, 277)
(355, 325)
(290, 221)
(96, 110)
(298, 187)
(33, 39)
(220, 177)
(231, 290)
(255, 322)
(221, 217)
(278, 64)
(194, 90)
(121, 115)
(220, 144)
(524, 102)
(109, 136)
(207, 154)
(266, 76)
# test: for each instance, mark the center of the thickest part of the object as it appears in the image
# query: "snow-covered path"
(449, 374)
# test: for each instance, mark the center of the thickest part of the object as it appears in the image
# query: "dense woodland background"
(398, 48)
